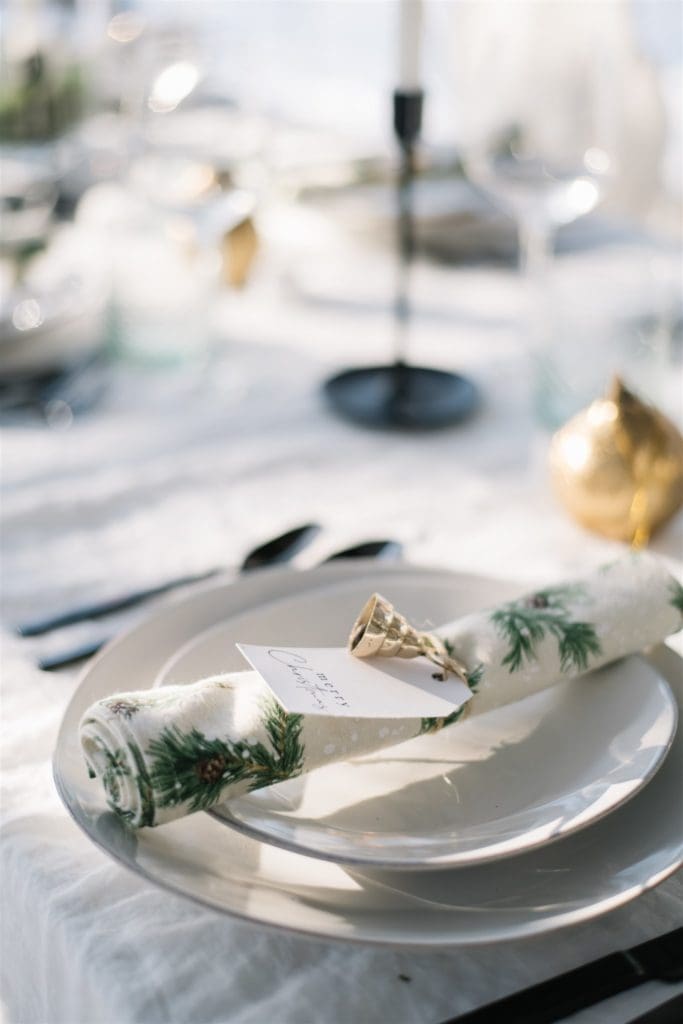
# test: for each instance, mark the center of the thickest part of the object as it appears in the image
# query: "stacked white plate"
(542, 814)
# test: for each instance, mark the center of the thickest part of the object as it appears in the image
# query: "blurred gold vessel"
(618, 467)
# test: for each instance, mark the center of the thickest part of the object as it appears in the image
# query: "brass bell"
(381, 631)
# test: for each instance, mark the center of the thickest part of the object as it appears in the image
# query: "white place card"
(331, 681)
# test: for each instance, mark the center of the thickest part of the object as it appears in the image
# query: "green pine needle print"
(473, 679)
(526, 622)
(144, 784)
(119, 764)
(284, 733)
(677, 595)
(577, 641)
(187, 767)
(116, 768)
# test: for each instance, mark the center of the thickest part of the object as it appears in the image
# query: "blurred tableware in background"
(28, 195)
(559, 112)
(536, 111)
(535, 101)
(220, 217)
(46, 92)
(561, 107)
(162, 286)
(53, 285)
(611, 308)
(53, 309)
(147, 192)
(173, 237)
(56, 395)
(211, 130)
(658, 42)
(453, 222)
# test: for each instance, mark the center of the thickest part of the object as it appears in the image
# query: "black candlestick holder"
(400, 395)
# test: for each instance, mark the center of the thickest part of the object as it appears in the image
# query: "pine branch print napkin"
(164, 753)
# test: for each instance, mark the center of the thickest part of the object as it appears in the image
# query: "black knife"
(279, 549)
(659, 959)
(670, 1012)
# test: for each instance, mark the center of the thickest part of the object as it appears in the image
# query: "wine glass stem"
(535, 251)
(536, 247)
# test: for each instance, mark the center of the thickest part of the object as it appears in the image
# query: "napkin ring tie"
(381, 631)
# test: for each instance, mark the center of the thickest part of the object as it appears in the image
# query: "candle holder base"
(402, 397)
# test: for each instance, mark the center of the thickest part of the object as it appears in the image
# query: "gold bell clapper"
(380, 631)
(617, 467)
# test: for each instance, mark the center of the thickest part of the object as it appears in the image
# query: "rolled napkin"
(168, 752)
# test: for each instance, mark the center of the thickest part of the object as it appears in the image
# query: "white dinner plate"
(496, 785)
(578, 877)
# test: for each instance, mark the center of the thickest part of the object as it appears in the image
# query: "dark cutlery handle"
(557, 998)
(273, 552)
(552, 1000)
(51, 662)
(670, 1012)
(115, 604)
(382, 549)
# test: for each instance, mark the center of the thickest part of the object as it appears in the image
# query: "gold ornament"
(380, 631)
(618, 467)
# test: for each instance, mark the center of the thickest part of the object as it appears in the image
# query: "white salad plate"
(579, 876)
(496, 785)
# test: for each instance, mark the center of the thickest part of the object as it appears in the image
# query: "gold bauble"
(618, 467)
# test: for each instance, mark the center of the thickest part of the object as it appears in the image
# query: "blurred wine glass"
(535, 88)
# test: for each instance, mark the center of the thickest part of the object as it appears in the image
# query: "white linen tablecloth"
(178, 473)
